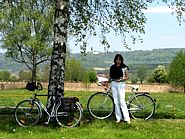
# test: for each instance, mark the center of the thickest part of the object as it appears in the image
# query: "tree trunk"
(34, 70)
(56, 79)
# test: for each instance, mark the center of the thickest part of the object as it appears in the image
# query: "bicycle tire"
(69, 118)
(141, 106)
(27, 113)
(100, 105)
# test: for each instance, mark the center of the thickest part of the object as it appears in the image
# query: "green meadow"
(168, 121)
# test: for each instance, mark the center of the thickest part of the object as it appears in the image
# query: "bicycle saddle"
(134, 87)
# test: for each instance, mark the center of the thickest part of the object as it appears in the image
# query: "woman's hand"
(119, 80)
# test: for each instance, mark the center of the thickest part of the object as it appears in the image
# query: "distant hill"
(9, 64)
(133, 59)
(101, 60)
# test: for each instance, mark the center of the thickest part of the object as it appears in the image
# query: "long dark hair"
(121, 58)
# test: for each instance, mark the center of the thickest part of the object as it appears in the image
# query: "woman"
(118, 76)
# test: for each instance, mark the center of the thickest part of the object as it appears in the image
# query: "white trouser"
(118, 92)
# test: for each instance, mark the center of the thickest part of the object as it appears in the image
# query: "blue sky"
(162, 30)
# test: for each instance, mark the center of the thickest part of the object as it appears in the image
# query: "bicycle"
(140, 104)
(67, 113)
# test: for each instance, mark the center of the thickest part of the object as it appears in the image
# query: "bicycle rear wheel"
(100, 105)
(69, 118)
(27, 113)
(141, 106)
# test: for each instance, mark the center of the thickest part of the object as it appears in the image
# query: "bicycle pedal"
(69, 124)
(22, 121)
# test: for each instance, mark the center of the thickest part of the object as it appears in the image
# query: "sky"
(162, 30)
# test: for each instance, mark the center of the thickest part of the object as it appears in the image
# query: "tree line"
(76, 72)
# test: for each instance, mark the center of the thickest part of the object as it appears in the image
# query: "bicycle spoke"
(26, 114)
(142, 106)
(100, 105)
(70, 118)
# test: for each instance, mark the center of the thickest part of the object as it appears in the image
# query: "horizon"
(120, 51)
(96, 52)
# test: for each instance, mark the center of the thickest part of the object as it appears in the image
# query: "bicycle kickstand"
(47, 122)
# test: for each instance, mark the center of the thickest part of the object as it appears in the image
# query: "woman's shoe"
(128, 122)
(118, 121)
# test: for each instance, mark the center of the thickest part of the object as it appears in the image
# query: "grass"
(97, 129)
(167, 123)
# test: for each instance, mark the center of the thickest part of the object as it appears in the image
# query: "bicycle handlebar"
(39, 86)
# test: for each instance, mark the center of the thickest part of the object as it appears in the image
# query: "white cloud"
(159, 9)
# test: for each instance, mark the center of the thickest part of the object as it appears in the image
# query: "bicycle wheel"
(141, 106)
(27, 113)
(69, 118)
(100, 105)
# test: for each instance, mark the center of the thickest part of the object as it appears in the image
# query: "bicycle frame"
(42, 106)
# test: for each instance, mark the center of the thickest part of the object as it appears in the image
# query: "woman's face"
(118, 61)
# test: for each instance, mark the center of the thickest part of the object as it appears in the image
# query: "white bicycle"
(66, 111)
(140, 104)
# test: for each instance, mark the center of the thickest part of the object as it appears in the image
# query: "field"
(167, 123)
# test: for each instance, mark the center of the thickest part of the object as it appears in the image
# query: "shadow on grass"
(169, 115)
(8, 123)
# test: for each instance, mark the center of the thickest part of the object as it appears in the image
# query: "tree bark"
(56, 79)
(34, 68)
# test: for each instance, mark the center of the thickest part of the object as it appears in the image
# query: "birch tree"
(84, 18)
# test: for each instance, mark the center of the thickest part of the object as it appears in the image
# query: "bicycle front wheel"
(100, 105)
(69, 118)
(27, 113)
(141, 106)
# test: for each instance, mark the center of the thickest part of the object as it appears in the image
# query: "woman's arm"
(126, 76)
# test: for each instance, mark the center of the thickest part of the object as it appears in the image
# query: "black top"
(117, 72)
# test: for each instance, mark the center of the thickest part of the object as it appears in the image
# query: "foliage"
(142, 73)
(26, 29)
(74, 70)
(99, 18)
(92, 75)
(45, 77)
(85, 80)
(25, 76)
(176, 72)
(102, 60)
(159, 74)
(5, 76)
(89, 76)
(133, 78)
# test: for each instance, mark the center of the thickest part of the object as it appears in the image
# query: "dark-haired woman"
(118, 75)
